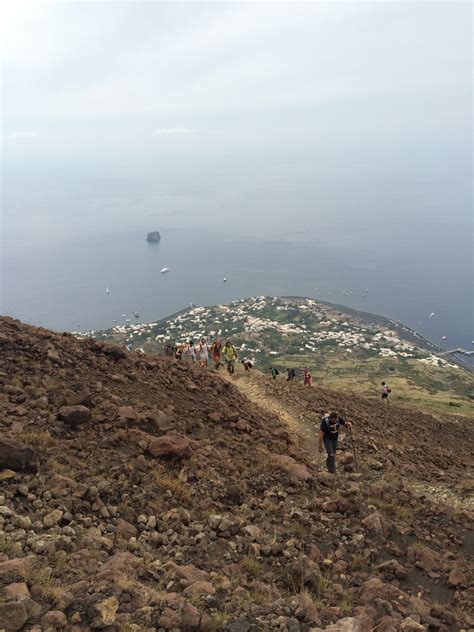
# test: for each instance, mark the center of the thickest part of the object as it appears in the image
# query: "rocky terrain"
(140, 494)
(342, 348)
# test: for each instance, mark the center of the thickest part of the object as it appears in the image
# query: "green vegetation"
(342, 352)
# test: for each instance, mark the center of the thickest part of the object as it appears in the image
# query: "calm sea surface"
(58, 278)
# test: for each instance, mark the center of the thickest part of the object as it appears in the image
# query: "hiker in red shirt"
(307, 378)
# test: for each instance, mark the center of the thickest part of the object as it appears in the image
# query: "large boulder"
(74, 416)
(375, 588)
(169, 446)
(120, 565)
(296, 471)
(189, 574)
(423, 557)
(16, 456)
(14, 570)
(13, 615)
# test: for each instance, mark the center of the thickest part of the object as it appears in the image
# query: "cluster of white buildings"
(313, 331)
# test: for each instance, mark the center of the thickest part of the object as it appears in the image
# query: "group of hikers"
(226, 354)
(220, 353)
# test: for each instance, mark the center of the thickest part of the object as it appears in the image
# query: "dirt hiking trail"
(250, 386)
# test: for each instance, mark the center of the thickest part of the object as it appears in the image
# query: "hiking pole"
(353, 447)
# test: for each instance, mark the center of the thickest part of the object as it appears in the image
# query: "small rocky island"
(154, 236)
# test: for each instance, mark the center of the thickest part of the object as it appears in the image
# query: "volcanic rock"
(16, 456)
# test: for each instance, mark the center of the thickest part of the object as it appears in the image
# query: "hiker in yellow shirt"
(230, 356)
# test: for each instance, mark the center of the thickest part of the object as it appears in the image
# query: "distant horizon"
(287, 146)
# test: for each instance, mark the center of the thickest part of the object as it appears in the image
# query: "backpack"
(388, 389)
(325, 419)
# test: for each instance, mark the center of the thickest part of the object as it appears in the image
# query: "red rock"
(423, 557)
(296, 471)
(457, 577)
(170, 446)
(16, 592)
(189, 574)
(122, 564)
(392, 567)
(375, 588)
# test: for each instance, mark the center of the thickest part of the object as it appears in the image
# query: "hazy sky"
(351, 100)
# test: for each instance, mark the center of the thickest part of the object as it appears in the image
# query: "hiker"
(307, 378)
(275, 372)
(386, 390)
(190, 351)
(291, 374)
(178, 354)
(216, 350)
(169, 350)
(247, 364)
(203, 352)
(328, 435)
(230, 356)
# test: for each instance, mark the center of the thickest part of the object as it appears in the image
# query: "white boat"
(164, 270)
(136, 314)
(443, 337)
(107, 291)
(224, 280)
(431, 315)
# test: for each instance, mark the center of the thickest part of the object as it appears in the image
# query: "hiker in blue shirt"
(328, 435)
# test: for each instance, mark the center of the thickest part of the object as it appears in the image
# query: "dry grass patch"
(38, 440)
(218, 621)
(178, 488)
(7, 546)
(251, 566)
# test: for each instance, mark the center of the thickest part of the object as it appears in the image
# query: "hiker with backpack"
(307, 378)
(386, 390)
(291, 374)
(230, 356)
(328, 436)
(274, 372)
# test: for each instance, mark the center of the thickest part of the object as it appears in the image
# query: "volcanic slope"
(138, 494)
(439, 461)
